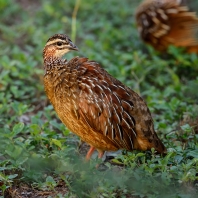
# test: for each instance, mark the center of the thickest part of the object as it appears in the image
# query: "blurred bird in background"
(168, 22)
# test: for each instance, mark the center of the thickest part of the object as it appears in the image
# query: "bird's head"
(58, 45)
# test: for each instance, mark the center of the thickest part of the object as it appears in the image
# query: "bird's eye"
(59, 43)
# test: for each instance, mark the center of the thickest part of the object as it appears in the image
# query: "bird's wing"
(106, 106)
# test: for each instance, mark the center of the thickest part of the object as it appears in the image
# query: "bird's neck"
(52, 63)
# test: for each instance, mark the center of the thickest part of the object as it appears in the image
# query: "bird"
(162, 23)
(91, 103)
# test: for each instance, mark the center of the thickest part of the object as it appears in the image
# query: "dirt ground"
(23, 190)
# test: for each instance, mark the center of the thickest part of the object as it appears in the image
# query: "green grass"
(37, 150)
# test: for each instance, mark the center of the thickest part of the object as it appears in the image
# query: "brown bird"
(168, 22)
(92, 104)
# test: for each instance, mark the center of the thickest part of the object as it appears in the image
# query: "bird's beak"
(72, 46)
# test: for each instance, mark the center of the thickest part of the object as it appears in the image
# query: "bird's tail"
(168, 22)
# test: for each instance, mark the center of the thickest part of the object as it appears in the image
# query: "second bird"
(92, 104)
(168, 22)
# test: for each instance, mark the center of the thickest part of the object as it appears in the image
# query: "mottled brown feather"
(97, 107)
(168, 22)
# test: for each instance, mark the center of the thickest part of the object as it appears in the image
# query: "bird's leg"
(100, 154)
(89, 153)
(80, 143)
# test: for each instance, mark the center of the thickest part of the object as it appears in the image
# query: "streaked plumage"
(168, 22)
(91, 103)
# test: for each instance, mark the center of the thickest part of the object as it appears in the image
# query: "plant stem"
(74, 14)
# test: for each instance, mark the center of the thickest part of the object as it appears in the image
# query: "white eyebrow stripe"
(54, 41)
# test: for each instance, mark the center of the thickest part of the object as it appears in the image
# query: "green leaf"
(167, 157)
(12, 176)
(56, 142)
(35, 129)
(186, 128)
(50, 179)
(14, 153)
(17, 128)
(193, 154)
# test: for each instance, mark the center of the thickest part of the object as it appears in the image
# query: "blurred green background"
(35, 148)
